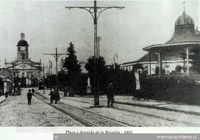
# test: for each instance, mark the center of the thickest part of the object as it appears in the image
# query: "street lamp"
(43, 79)
(116, 55)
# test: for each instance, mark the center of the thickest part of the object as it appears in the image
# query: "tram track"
(74, 116)
(84, 116)
(146, 114)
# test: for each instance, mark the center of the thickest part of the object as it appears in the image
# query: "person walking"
(52, 96)
(33, 91)
(18, 90)
(57, 95)
(110, 95)
(1, 92)
(66, 90)
(29, 97)
(6, 94)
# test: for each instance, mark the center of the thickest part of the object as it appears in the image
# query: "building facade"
(27, 72)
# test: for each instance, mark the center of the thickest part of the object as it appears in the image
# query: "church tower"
(22, 49)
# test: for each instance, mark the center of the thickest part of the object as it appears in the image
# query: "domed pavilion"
(184, 40)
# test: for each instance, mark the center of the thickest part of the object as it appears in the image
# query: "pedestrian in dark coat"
(52, 96)
(110, 95)
(0, 92)
(66, 90)
(29, 97)
(33, 91)
(6, 94)
(18, 90)
(57, 96)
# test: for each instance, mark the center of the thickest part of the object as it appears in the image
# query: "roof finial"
(184, 7)
(22, 36)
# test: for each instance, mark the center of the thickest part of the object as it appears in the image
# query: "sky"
(48, 24)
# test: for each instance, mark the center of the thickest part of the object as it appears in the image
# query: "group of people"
(54, 95)
(29, 95)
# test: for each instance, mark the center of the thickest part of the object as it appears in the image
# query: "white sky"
(48, 24)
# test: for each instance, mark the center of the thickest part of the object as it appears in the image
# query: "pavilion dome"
(184, 19)
(184, 30)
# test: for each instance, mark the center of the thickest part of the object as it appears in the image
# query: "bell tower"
(22, 49)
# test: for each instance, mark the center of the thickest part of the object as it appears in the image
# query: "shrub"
(180, 89)
(178, 68)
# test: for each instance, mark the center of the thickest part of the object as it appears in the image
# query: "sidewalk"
(189, 109)
(127, 100)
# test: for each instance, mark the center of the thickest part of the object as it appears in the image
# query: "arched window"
(23, 56)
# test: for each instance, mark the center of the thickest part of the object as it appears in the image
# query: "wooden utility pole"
(56, 56)
(95, 11)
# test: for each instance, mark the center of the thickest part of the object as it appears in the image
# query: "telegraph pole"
(116, 55)
(13, 76)
(56, 56)
(95, 11)
(43, 79)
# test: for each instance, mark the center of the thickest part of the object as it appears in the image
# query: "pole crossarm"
(56, 56)
(99, 10)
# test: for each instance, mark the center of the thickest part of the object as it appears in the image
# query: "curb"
(157, 107)
(2, 101)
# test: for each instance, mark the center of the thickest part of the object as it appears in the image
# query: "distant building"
(28, 72)
(129, 66)
(7, 79)
(173, 53)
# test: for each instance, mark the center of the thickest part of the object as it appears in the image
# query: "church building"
(26, 72)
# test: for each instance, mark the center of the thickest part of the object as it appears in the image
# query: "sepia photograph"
(122, 64)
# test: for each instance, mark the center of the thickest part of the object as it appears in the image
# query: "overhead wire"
(84, 4)
(105, 4)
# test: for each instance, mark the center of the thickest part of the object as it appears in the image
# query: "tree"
(62, 78)
(71, 62)
(178, 68)
(123, 81)
(72, 66)
(138, 66)
(100, 66)
(115, 66)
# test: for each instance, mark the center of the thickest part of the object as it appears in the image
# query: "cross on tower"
(184, 7)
